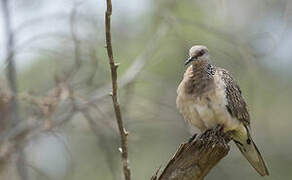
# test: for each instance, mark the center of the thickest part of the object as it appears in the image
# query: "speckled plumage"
(236, 105)
(201, 78)
(208, 96)
(202, 96)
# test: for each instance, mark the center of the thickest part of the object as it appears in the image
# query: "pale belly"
(211, 114)
(207, 112)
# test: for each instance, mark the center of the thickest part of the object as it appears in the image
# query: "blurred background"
(61, 125)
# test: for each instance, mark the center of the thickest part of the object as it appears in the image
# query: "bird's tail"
(248, 148)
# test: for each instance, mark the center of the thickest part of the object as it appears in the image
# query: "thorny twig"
(113, 67)
(136, 67)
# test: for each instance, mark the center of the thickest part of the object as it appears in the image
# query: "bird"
(208, 96)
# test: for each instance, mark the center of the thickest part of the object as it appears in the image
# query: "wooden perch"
(194, 159)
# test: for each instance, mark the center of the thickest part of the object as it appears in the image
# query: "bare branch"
(76, 46)
(194, 159)
(114, 66)
(10, 70)
(15, 139)
(137, 65)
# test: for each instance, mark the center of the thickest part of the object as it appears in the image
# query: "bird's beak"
(190, 59)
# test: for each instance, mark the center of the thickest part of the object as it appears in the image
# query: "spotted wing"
(236, 104)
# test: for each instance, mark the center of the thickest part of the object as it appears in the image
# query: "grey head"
(197, 52)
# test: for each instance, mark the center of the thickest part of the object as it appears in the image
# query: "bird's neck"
(200, 66)
(199, 77)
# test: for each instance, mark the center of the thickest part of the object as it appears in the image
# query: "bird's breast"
(207, 110)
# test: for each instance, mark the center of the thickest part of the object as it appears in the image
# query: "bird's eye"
(201, 53)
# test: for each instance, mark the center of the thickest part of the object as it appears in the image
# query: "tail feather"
(250, 151)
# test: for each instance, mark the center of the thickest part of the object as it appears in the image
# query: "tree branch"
(113, 67)
(10, 70)
(137, 65)
(194, 159)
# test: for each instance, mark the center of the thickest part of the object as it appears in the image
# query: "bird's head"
(196, 53)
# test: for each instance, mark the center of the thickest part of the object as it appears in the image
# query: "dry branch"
(137, 65)
(10, 61)
(114, 66)
(194, 159)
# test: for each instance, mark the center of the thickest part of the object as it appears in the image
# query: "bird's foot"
(220, 127)
(220, 132)
(192, 138)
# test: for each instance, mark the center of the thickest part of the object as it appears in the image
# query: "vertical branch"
(10, 70)
(113, 67)
(11, 78)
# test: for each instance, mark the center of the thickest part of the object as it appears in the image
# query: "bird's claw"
(220, 127)
(192, 138)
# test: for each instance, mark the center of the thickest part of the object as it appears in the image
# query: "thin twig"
(76, 46)
(113, 67)
(137, 65)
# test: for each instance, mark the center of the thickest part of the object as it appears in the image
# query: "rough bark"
(194, 159)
